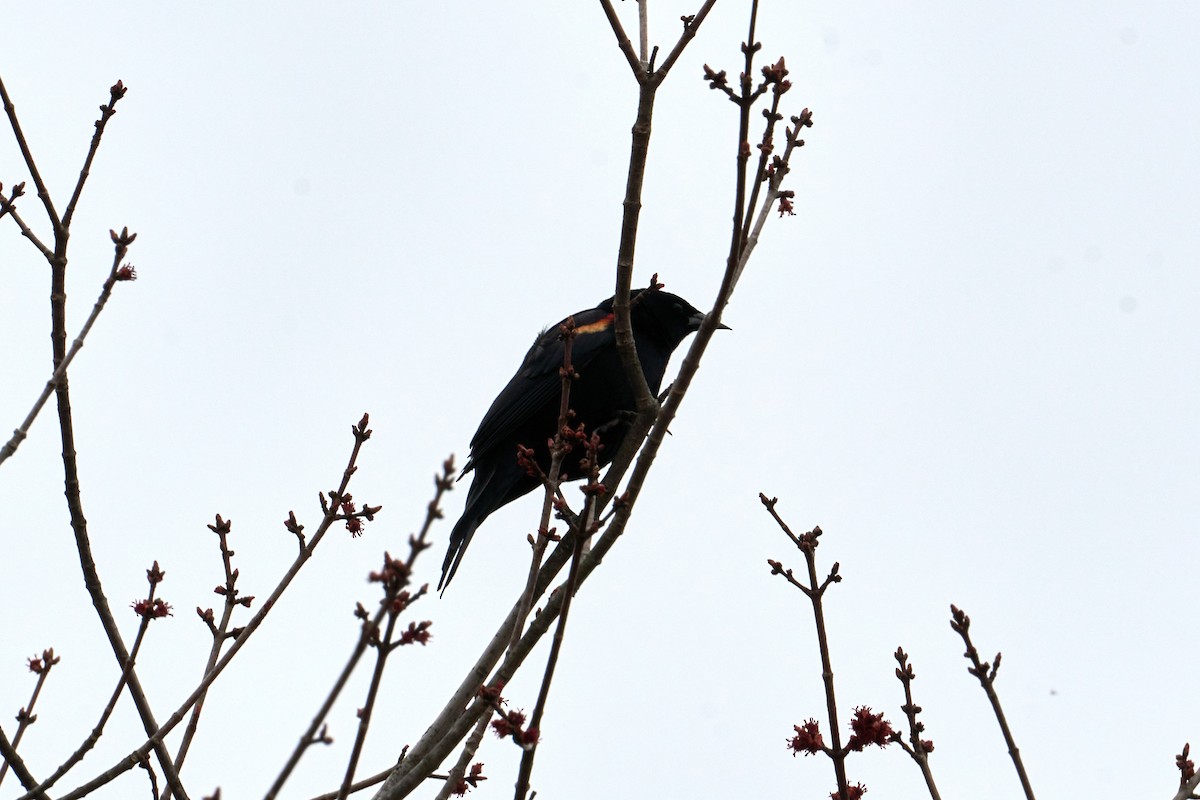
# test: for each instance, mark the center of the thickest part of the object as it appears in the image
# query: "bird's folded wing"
(538, 381)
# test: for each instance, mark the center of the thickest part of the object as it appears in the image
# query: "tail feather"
(460, 537)
(485, 496)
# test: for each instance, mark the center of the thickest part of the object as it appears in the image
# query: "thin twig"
(551, 479)
(43, 192)
(815, 590)
(8, 206)
(115, 93)
(41, 667)
(782, 168)
(453, 722)
(358, 786)
(917, 748)
(395, 577)
(382, 650)
(219, 631)
(146, 765)
(986, 674)
(539, 709)
(623, 39)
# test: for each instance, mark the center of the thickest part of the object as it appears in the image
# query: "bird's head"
(665, 316)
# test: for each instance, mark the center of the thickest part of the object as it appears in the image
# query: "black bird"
(526, 410)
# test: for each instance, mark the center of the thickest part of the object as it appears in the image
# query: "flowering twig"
(395, 578)
(361, 434)
(814, 590)
(40, 666)
(458, 779)
(149, 609)
(558, 450)
(220, 631)
(508, 724)
(986, 674)
(417, 544)
(916, 747)
(593, 491)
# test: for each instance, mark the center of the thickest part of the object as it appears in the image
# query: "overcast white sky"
(971, 358)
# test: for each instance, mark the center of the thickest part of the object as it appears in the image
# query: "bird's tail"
(460, 537)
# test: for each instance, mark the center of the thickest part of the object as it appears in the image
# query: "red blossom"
(854, 792)
(527, 460)
(807, 739)
(394, 573)
(1186, 767)
(38, 665)
(148, 609)
(492, 693)
(417, 632)
(127, 273)
(508, 724)
(470, 780)
(869, 729)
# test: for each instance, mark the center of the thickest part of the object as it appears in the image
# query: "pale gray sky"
(971, 358)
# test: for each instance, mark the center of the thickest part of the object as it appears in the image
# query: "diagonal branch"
(8, 206)
(115, 93)
(623, 42)
(43, 192)
(985, 673)
(117, 273)
(9, 753)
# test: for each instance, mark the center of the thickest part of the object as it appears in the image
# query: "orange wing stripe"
(596, 327)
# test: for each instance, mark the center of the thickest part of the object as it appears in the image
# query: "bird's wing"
(537, 381)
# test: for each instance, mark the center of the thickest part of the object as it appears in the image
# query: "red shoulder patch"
(599, 326)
